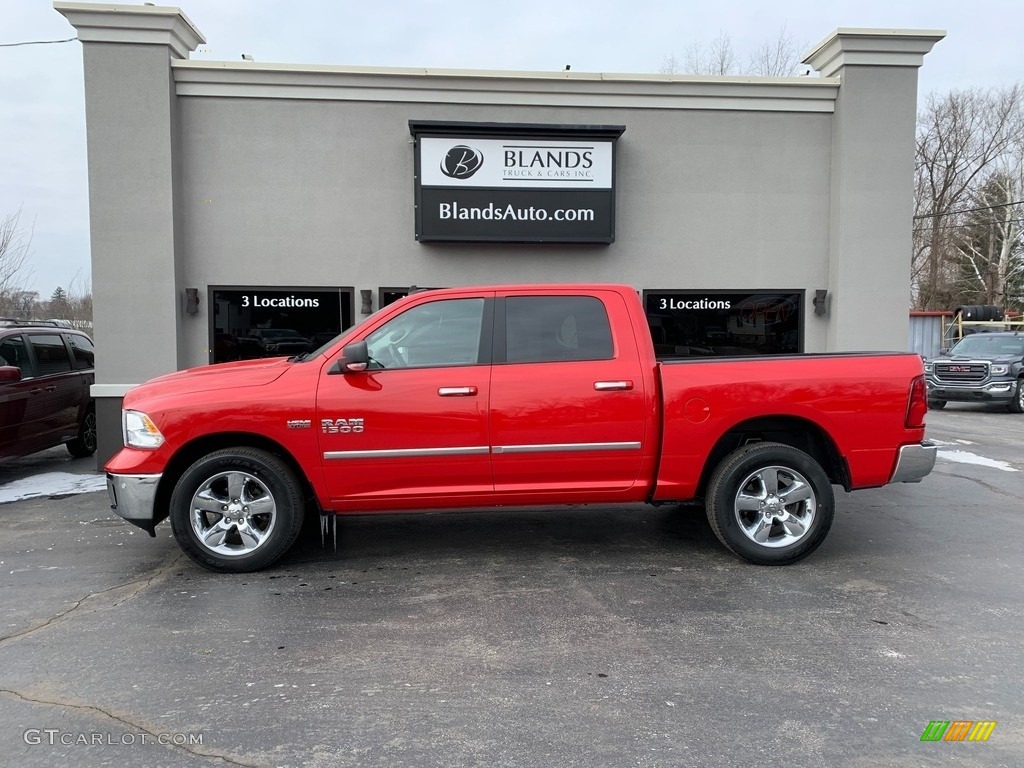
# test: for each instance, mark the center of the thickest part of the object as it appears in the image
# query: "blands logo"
(514, 163)
(461, 162)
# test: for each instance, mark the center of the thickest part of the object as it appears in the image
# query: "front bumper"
(963, 393)
(914, 462)
(133, 497)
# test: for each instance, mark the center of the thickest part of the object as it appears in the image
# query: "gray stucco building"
(228, 198)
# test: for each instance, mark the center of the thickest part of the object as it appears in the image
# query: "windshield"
(986, 345)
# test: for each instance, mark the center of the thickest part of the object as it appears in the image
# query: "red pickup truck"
(512, 395)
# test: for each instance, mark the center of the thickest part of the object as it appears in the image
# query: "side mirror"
(355, 358)
(10, 374)
(944, 351)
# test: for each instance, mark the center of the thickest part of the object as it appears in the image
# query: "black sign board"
(486, 182)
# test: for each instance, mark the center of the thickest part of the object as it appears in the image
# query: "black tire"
(977, 312)
(936, 405)
(84, 445)
(741, 504)
(236, 510)
(1017, 404)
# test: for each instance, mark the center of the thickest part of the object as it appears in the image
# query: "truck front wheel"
(237, 509)
(770, 503)
(1017, 404)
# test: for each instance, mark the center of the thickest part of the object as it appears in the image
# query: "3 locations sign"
(485, 182)
(695, 323)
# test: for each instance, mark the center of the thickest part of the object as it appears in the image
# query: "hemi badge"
(299, 424)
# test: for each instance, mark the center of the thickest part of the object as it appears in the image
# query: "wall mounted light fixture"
(367, 296)
(192, 301)
(821, 302)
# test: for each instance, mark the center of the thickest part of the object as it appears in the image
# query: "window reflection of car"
(317, 340)
(225, 347)
(45, 377)
(788, 342)
(280, 341)
(715, 333)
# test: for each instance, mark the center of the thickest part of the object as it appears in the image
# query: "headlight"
(928, 367)
(999, 370)
(139, 431)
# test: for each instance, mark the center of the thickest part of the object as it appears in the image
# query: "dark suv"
(982, 367)
(274, 342)
(45, 375)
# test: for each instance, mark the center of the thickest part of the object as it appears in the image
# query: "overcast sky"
(42, 114)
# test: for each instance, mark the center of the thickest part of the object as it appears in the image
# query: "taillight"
(918, 405)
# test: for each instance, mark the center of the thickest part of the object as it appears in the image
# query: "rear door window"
(83, 350)
(51, 354)
(540, 329)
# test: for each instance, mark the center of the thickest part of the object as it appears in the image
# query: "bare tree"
(670, 65)
(990, 243)
(962, 138)
(79, 303)
(72, 306)
(719, 58)
(15, 247)
(779, 57)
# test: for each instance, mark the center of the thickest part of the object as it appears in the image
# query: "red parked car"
(513, 395)
(46, 372)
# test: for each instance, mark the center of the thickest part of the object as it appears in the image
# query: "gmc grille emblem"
(959, 369)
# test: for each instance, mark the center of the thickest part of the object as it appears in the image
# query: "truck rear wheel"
(770, 503)
(237, 510)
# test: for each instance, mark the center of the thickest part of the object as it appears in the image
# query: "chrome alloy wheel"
(89, 432)
(233, 513)
(775, 506)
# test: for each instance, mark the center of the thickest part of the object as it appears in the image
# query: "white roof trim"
(110, 390)
(872, 47)
(145, 24)
(457, 86)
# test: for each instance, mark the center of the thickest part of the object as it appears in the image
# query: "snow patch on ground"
(966, 457)
(51, 484)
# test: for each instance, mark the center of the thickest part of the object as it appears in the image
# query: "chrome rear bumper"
(914, 462)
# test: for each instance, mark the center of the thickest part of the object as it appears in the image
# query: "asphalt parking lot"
(587, 637)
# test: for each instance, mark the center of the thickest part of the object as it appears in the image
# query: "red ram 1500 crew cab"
(513, 395)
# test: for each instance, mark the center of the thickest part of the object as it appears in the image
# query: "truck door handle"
(51, 388)
(456, 391)
(612, 386)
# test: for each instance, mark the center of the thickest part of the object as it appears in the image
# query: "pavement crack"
(120, 593)
(123, 720)
(995, 489)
